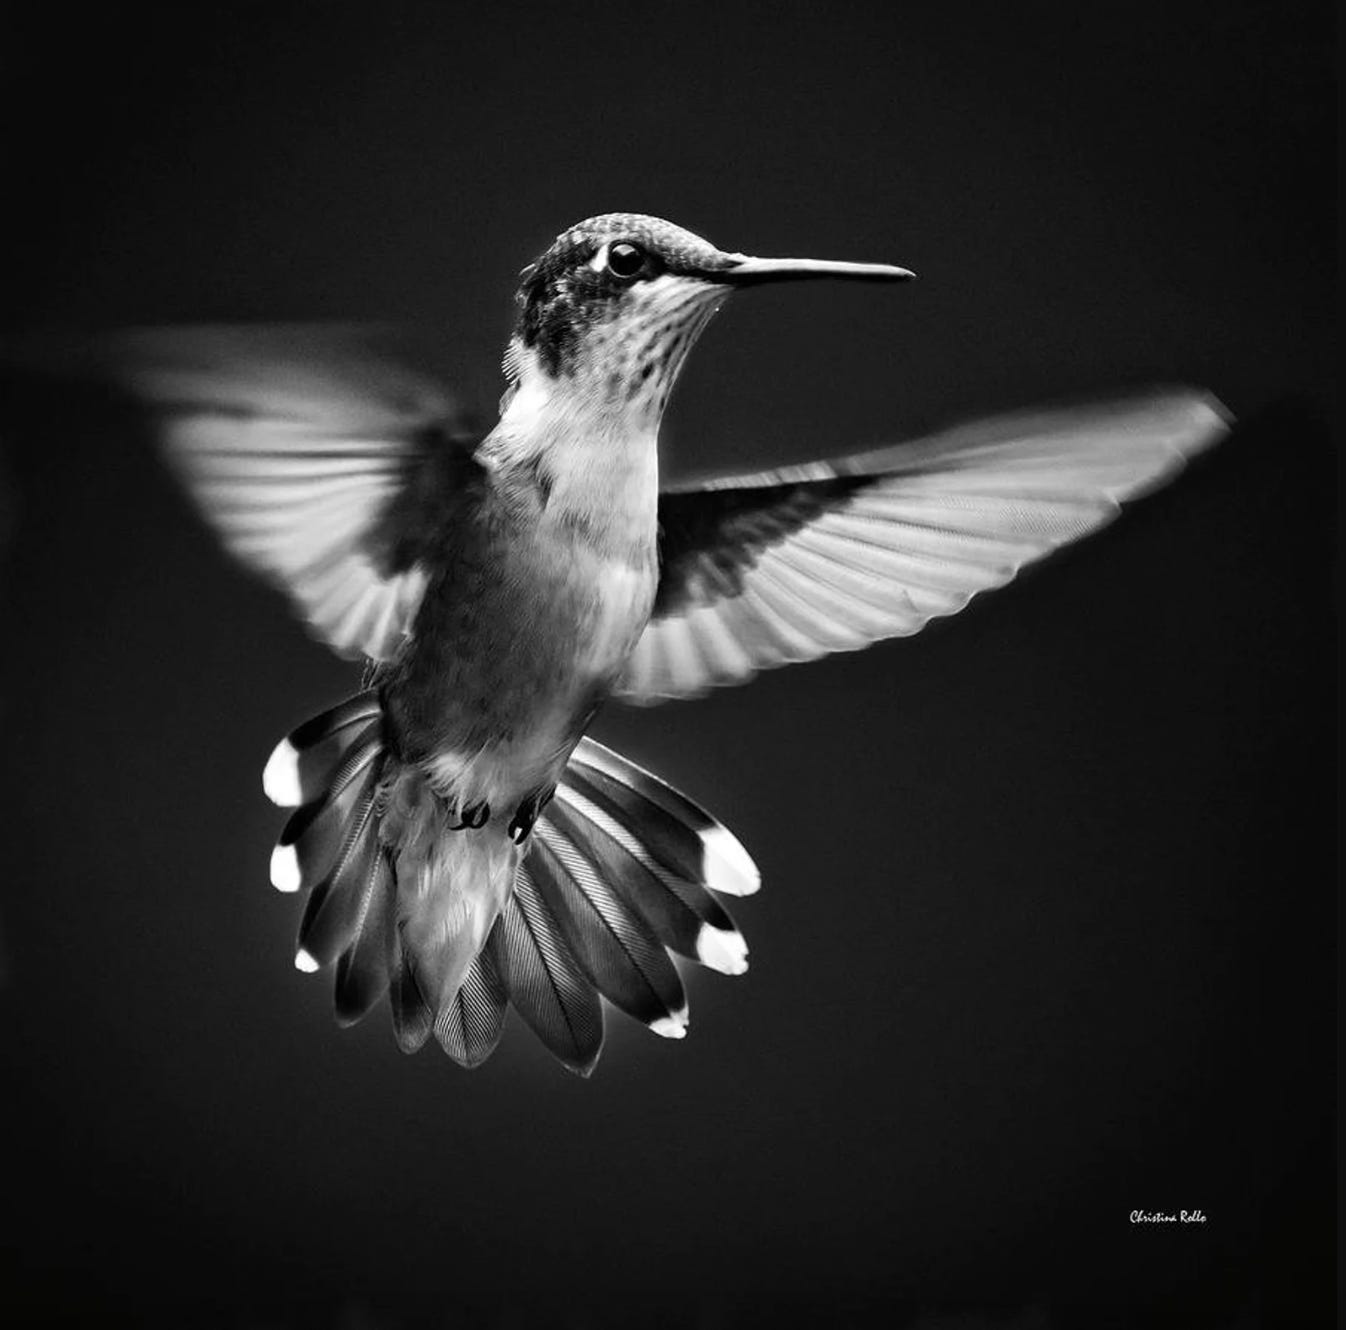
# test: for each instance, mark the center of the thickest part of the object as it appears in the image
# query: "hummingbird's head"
(613, 306)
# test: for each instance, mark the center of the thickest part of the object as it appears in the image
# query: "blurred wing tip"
(1199, 400)
(1195, 419)
(1211, 417)
(1199, 408)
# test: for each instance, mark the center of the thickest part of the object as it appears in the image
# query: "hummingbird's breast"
(521, 634)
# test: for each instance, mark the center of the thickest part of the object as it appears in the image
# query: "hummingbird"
(463, 844)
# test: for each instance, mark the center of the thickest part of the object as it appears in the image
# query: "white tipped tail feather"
(722, 949)
(280, 779)
(671, 1027)
(455, 925)
(728, 866)
(285, 874)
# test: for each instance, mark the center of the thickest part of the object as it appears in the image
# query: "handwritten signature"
(1167, 1217)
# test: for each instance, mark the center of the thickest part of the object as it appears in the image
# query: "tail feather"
(680, 912)
(412, 1018)
(450, 894)
(302, 764)
(543, 980)
(455, 925)
(362, 969)
(680, 833)
(338, 904)
(615, 948)
(469, 1025)
(319, 834)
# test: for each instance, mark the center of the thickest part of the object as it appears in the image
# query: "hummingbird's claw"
(527, 813)
(472, 818)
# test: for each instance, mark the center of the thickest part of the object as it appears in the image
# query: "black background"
(1047, 927)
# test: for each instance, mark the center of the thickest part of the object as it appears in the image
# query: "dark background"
(1047, 927)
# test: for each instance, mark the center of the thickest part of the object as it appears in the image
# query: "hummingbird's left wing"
(325, 466)
(760, 570)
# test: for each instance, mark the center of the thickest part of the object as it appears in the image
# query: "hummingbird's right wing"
(760, 570)
(323, 466)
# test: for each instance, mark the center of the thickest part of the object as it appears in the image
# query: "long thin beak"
(743, 270)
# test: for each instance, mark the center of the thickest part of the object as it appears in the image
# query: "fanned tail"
(456, 925)
(544, 983)
(621, 869)
(469, 1025)
(452, 886)
(331, 768)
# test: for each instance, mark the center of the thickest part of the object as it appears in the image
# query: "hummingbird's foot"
(527, 813)
(471, 818)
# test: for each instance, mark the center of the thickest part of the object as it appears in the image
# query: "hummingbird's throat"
(631, 362)
(624, 364)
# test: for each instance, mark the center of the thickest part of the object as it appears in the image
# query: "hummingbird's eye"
(625, 259)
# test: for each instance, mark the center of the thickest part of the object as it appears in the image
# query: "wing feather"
(324, 466)
(787, 565)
